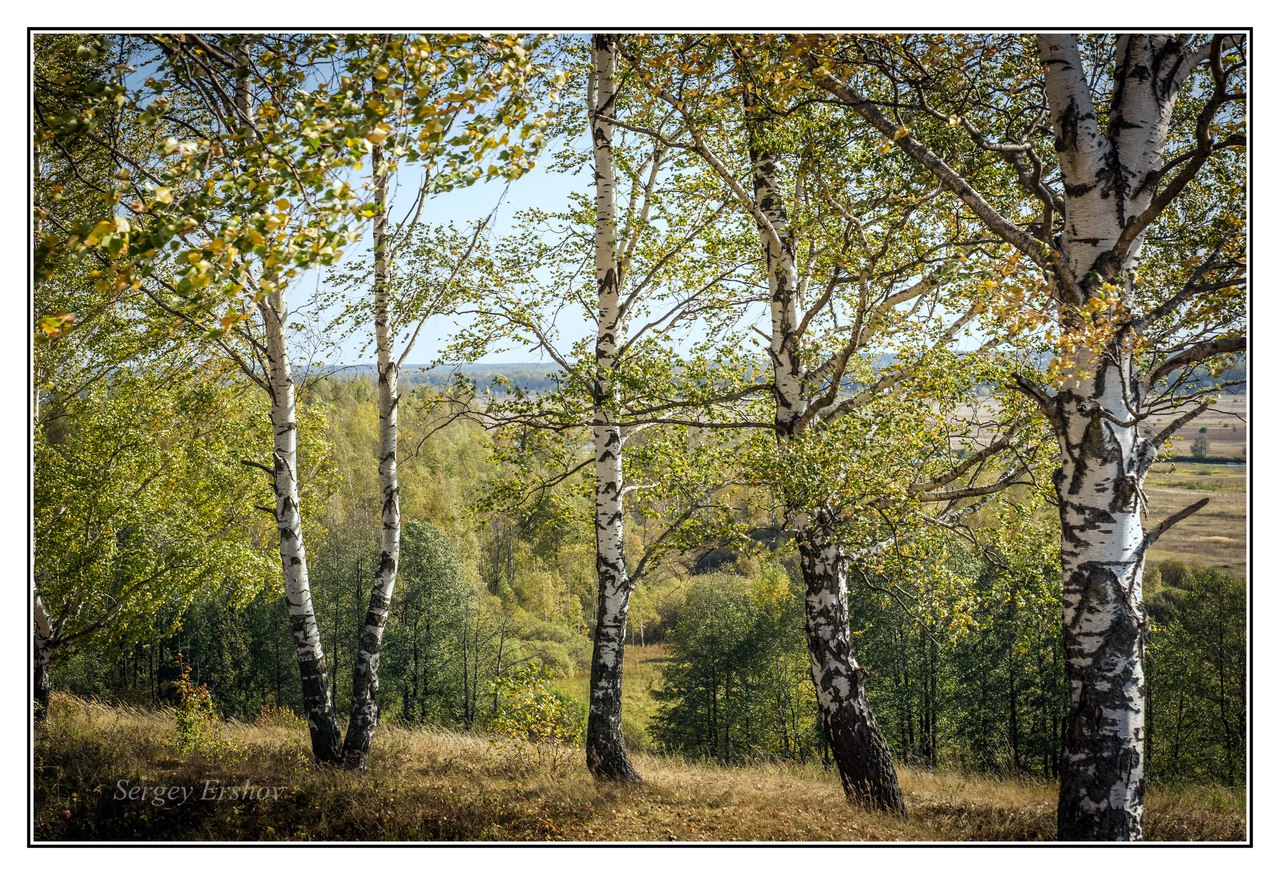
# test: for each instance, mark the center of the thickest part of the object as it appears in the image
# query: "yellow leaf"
(57, 325)
(99, 231)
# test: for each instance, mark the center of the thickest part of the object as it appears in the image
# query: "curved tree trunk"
(606, 755)
(858, 747)
(364, 684)
(316, 701)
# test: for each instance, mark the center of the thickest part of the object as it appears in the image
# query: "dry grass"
(438, 786)
(1224, 424)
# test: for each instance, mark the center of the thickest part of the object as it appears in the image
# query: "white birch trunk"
(784, 297)
(1104, 459)
(606, 756)
(364, 687)
(857, 745)
(1105, 624)
(316, 695)
(43, 644)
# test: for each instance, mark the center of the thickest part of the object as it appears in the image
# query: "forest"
(639, 437)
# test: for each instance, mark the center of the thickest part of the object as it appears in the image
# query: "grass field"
(1215, 536)
(1224, 424)
(642, 675)
(437, 786)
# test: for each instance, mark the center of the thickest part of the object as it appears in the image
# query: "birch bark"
(1104, 458)
(857, 744)
(364, 687)
(1114, 185)
(1105, 626)
(42, 653)
(606, 756)
(316, 695)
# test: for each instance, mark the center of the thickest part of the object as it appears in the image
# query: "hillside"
(437, 786)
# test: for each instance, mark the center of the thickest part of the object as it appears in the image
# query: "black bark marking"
(860, 750)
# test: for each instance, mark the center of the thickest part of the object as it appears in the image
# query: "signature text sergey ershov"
(211, 790)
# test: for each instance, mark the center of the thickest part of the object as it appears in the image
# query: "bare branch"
(1173, 520)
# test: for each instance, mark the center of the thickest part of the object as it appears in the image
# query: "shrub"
(195, 717)
(553, 655)
(274, 715)
(536, 723)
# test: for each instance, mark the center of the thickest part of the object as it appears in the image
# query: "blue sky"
(541, 187)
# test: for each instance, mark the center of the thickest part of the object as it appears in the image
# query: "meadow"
(426, 786)
(1215, 536)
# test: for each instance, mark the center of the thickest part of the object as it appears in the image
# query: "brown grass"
(440, 786)
(1224, 424)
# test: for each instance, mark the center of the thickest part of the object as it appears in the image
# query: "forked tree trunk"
(1109, 183)
(364, 684)
(326, 738)
(858, 747)
(606, 755)
(1104, 459)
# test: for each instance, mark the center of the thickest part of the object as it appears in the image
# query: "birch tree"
(639, 260)
(221, 223)
(1089, 172)
(127, 413)
(259, 195)
(619, 300)
(482, 87)
(605, 754)
(856, 265)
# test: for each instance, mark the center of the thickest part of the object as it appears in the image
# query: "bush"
(276, 716)
(553, 655)
(543, 727)
(196, 718)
